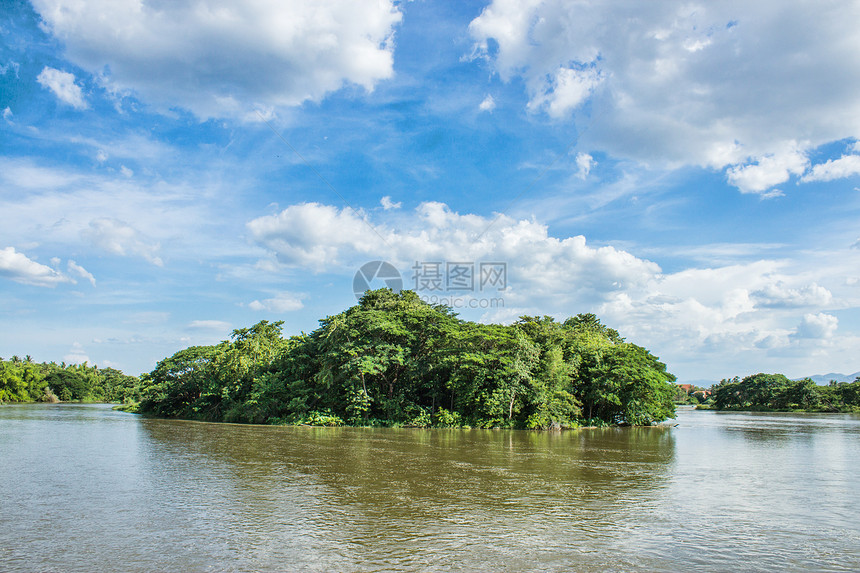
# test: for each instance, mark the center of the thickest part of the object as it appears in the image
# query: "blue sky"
(170, 171)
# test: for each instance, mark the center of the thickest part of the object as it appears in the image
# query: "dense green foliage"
(776, 392)
(22, 380)
(395, 360)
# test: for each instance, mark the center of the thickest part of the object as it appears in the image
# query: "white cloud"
(768, 171)
(780, 295)
(718, 85)
(313, 235)
(126, 171)
(225, 58)
(819, 326)
(20, 268)
(324, 237)
(488, 104)
(388, 204)
(696, 317)
(282, 302)
(122, 239)
(64, 87)
(584, 162)
(7, 114)
(565, 91)
(845, 166)
(81, 272)
(217, 325)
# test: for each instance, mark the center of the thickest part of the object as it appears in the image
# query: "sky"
(171, 170)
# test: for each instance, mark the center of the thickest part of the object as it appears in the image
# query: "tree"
(68, 385)
(177, 382)
(395, 360)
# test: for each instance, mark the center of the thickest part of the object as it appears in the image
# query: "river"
(86, 488)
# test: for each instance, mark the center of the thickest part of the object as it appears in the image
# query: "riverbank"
(837, 410)
(317, 420)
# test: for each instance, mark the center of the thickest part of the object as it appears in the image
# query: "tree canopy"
(777, 392)
(393, 359)
(23, 380)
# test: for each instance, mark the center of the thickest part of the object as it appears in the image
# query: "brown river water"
(85, 488)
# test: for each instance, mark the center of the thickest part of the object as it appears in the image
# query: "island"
(395, 360)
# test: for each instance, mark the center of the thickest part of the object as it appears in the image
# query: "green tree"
(393, 359)
(68, 384)
(177, 383)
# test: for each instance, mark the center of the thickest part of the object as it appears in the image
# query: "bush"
(324, 418)
(446, 419)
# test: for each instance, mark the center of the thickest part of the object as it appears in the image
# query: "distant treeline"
(22, 380)
(396, 360)
(777, 392)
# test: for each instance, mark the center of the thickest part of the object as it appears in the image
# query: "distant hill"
(825, 379)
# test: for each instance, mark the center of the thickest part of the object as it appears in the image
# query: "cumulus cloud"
(282, 302)
(694, 318)
(820, 326)
(566, 90)
(313, 235)
(670, 83)
(845, 166)
(63, 85)
(20, 268)
(222, 58)
(767, 171)
(122, 239)
(324, 237)
(488, 104)
(780, 295)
